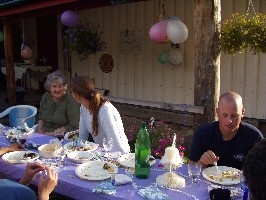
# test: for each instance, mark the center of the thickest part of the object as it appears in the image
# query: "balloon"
(175, 57)
(1, 36)
(26, 51)
(164, 57)
(177, 31)
(69, 18)
(158, 31)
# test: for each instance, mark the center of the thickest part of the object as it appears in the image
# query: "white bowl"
(49, 150)
(80, 156)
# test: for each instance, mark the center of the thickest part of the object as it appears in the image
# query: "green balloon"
(164, 57)
(1, 36)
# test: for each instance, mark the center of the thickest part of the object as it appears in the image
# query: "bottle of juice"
(142, 153)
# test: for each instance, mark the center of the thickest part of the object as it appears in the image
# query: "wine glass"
(107, 145)
(22, 138)
(61, 154)
(194, 170)
(60, 135)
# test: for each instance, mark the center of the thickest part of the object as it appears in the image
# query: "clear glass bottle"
(142, 153)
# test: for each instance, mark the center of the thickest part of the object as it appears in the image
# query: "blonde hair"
(231, 97)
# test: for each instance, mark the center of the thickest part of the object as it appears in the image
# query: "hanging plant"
(84, 39)
(243, 31)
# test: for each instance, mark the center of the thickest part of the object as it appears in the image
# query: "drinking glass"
(22, 138)
(61, 154)
(194, 170)
(60, 135)
(2, 128)
(107, 145)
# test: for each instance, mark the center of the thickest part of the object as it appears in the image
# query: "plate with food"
(17, 157)
(80, 156)
(72, 135)
(14, 132)
(96, 170)
(78, 145)
(229, 175)
(128, 160)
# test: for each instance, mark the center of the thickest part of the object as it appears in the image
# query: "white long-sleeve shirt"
(110, 125)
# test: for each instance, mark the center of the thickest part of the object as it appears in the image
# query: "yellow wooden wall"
(139, 74)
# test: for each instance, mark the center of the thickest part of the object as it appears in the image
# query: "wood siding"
(139, 75)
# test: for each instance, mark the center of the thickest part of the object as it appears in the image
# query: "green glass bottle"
(142, 153)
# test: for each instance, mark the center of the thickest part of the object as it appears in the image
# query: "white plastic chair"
(19, 114)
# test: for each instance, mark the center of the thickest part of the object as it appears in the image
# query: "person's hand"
(31, 170)
(208, 158)
(15, 147)
(47, 183)
(41, 131)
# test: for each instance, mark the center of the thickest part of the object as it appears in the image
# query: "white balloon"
(176, 57)
(177, 31)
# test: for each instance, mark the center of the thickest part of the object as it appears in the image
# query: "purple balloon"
(158, 31)
(69, 18)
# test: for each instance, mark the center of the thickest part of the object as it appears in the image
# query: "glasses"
(194, 170)
(60, 135)
(107, 145)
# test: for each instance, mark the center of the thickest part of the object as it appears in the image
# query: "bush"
(161, 135)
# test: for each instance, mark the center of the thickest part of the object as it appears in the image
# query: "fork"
(218, 172)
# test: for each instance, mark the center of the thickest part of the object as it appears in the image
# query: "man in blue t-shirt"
(228, 140)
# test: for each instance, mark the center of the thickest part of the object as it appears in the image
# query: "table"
(82, 189)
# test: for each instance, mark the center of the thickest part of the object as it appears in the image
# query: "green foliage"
(243, 31)
(83, 39)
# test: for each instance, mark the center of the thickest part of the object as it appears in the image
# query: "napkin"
(121, 179)
(105, 187)
(153, 193)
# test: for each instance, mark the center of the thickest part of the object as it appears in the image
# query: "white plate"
(14, 132)
(93, 170)
(16, 157)
(210, 172)
(91, 145)
(80, 156)
(128, 160)
(71, 135)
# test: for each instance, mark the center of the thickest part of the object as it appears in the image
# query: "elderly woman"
(58, 110)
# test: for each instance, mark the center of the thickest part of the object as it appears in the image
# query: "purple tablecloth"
(77, 188)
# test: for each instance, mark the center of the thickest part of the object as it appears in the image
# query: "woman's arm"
(40, 125)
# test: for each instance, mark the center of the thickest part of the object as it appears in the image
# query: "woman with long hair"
(98, 117)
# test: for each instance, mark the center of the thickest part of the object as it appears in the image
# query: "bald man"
(228, 140)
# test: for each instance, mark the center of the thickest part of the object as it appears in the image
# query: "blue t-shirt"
(231, 152)
(14, 191)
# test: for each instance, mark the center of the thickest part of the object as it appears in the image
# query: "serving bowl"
(50, 150)
(80, 156)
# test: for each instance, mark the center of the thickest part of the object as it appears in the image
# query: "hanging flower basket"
(83, 39)
(243, 31)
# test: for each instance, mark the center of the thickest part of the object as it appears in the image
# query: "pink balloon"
(69, 18)
(158, 31)
(26, 52)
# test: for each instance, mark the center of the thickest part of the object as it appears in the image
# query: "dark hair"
(254, 170)
(84, 86)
